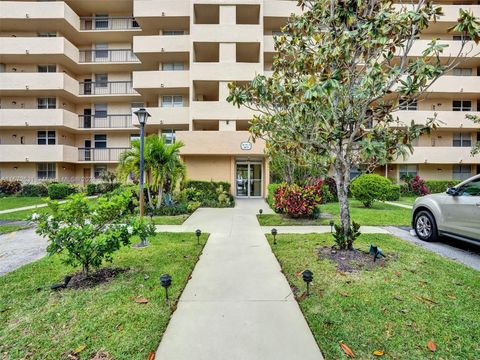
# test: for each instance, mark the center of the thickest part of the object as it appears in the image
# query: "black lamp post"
(142, 116)
(198, 232)
(332, 224)
(166, 281)
(307, 276)
(274, 233)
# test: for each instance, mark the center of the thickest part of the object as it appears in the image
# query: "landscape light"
(166, 281)
(307, 276)
(274, 233)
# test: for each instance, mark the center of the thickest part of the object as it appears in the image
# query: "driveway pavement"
(238, 305)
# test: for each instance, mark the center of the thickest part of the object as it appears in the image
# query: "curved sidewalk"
(238, 305)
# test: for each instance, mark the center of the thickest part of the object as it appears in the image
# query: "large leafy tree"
(342, 69)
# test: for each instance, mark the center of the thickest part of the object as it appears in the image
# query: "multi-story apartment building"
(72, 71)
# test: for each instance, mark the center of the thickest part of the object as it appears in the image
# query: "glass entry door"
(249, 179)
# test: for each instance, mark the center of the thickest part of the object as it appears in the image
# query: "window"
(100, 141)
(471, 189)
(101, 80)
(101, 51)
(354, 172)
(405, 105)
(172, 66)
(461, 37)
(98, 170)
(408, 171)
(46, 103)
(172, 101)
(101, 21)
(47, 68)
(2, 68)
(169, 136)
(462, 172)
(47, 34)
(46, 137)
(134, 137)
(101, 110)
(462, 105)
(462, 139)
(138, 105)
(46, 171)
(173, 32)
(462, 72)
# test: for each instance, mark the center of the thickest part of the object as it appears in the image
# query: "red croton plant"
(298, 201)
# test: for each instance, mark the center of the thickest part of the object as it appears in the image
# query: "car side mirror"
(452, 191)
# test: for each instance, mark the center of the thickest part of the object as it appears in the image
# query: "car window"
(471, 189)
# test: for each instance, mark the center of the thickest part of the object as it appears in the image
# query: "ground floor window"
(169, 135)
(99, 170)
(462, 172)
(408, 171)
(354, 172)
(46, 171)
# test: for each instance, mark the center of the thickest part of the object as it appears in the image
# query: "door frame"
(249, 163)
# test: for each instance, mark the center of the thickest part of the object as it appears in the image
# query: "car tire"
(425, 226)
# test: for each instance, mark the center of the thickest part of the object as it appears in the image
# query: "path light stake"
(307, 276)
(274, 233)
(198, 232)
(332, 224)
(166, 281)
(260, 211)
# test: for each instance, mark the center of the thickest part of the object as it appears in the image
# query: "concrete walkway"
(399, 205)
(238, 305)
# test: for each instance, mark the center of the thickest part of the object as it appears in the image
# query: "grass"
(170, 220)
(22, 215)
(379, 214)
(407, 200)
(397, 309)
(4, 229)
(7, 203)
(48, 325)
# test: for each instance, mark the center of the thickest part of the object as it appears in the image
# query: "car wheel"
(425, 226)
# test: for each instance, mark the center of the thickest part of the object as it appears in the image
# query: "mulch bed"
(350, 260)
(100, 276)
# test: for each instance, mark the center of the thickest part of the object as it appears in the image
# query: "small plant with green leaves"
(369, 188)
(88, 233)
(345, 239)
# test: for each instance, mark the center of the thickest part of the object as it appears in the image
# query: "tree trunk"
(149, 194)
(160, 195)
(342, 180)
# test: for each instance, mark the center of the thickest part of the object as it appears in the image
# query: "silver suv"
(455, 213)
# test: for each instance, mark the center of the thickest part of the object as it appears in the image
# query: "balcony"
(215, 110)
(218, 143)
(446, 119)
(37, 153)
(167, 116)
(107, 88)
(113, 121)
(453, 49)
(107, 56)
(108, 23)
(275, 8)
(37, 84)
(164, 48)
(151, 81)
(455, 85)
(100, 154)
(225, 71)
(440, 155)
(219, 33)
(37, 118)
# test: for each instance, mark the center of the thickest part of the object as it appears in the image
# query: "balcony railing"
(108, 121)
(100, 154)
(107, 56)
(108, 23)
(106, 88)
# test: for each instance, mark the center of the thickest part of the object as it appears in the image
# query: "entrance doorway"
(249, 179)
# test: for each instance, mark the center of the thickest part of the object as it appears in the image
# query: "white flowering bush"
(89, 232)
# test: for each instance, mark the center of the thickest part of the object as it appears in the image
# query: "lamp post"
(198, 232)
(166, 281)
(142, 116)
(307, 276)
(274, 233)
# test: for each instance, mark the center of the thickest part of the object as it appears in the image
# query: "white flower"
(50, 219)
(35, 216)
(94, 213)
(130, 230)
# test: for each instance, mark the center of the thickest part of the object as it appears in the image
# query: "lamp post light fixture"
(166, 281)
(260, 211)
(198, 232)
(332, 224)
(307, 276)
(142, 116)
(274, 233)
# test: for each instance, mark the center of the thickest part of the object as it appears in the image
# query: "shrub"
(91, 189)
(332, 187)
(192, 206)
(439, 186)
(208, 193)
(88, 233)
(58, 191)
(296, 201)
(368, 188)
(101, 188)
(175, 209)
(10, 187)
(417, 185)
(38, 190)
(393, 193)
(271, 193)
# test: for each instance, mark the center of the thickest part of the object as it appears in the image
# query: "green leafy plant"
(10, 187)
(32, 190)
(440, 186)
(393, 193)
(298, 201)
(88, 233)
(369, 188)
(344, 238)
(57, 191)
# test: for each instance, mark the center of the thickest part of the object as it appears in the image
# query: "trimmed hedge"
(32, 190)
(100, 188)
(393, 193)
(206, 186)
(208, 193)
(368, 188)
(57, 191)
(439, 186)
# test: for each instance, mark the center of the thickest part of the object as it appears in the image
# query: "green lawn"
(16, 202)
(379, 214)
(407, 200)
(22, 215)
(10, 228)
(417, 297)
(170, 220)
(48, 325)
